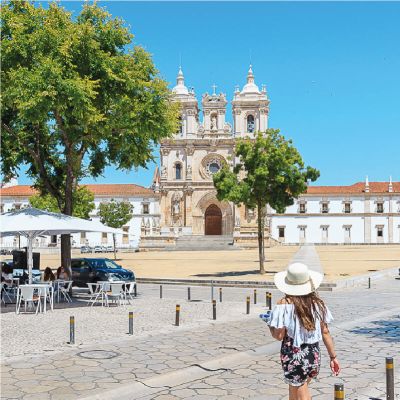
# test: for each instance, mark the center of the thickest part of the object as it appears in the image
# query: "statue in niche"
(189, 171)
(214, 123)
(164, 172)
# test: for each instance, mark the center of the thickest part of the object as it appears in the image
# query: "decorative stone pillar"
(164, 163)
(188, 220)
(189, 163)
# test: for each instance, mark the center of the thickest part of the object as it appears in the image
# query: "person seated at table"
(61, 274)
(48, 275)
(6, 274)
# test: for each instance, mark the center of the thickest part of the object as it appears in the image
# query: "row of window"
(250, 125)
(347, 209)
(324, 229)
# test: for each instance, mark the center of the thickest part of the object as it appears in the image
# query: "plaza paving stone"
(163, 359)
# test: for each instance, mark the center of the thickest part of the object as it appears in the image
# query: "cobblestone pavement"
(234, 360)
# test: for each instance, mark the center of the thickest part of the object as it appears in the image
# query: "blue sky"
(332, 71)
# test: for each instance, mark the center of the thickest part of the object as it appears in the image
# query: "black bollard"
(248, 305)
(214, 307)
(220, 294)
(369, 283)
(71, 329)
(177, 312)
(389, 379)
(130, 323)
(339, 391)
(268, 300)
(189, 298)
(135, 290)
(160, 291)
(255, 296)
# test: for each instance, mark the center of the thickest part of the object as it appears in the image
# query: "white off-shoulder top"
(283, 315)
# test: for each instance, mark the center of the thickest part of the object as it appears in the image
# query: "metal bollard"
(255, 296)
(71, 329)
(130, 322)
(339, 391)
(389, 379)
(248, 305)
(369, 283)
(220, 294)
(268, 300)
(135, 290)
(214, 306)
(177, 312)
(160, 291)
(189, 294)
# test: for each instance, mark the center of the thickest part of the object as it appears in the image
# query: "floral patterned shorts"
(299, 363)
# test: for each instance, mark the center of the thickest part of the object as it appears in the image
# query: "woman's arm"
(277, 333)
(327, 338)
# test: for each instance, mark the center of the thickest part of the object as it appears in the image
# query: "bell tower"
(250, 108)
(189, 118)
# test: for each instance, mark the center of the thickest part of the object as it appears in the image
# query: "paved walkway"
(234, 360)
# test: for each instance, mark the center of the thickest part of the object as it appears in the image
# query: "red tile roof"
(96, 189)
(119, 189)
(359, 187)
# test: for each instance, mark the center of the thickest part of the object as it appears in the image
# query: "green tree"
(269, 170)
(83, 202)
(115, 214)
(76, 97)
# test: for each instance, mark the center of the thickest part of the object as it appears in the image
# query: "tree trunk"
(260, 238)
(66, 239)
(66, 253)
(115, 254)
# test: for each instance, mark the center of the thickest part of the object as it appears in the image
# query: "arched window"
(178, 171)
(250, 123)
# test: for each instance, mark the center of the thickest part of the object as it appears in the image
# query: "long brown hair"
(307, 308)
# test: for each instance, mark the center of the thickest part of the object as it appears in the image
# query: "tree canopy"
(268, 170)
(76, 97)
(115, 214)
(83, 200)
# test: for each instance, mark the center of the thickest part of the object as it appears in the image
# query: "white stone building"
(363, 213)
(146, 214)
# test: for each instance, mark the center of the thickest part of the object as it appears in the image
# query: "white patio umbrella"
(32, 222)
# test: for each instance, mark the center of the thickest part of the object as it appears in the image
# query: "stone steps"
(204, 243)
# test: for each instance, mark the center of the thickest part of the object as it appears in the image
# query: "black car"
(88, 270)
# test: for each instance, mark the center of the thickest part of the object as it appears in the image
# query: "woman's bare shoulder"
(284, 300)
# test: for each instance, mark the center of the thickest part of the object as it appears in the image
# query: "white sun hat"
(298, 280)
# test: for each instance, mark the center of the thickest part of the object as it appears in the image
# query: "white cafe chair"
(116, 293)
(64, 289)
(129, 291)
(27, 294)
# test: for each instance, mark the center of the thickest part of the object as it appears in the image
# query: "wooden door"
(213, 223)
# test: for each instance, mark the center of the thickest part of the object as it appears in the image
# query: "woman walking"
(300, 320)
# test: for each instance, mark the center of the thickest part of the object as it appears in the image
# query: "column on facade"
(367, 220)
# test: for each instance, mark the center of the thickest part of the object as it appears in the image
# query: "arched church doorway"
(213, 220)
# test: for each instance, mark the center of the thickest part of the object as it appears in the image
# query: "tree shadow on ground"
(224, 274)
(386, 330)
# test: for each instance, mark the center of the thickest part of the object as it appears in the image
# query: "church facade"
(204, 143)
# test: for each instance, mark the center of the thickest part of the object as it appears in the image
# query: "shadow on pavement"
(386, 330)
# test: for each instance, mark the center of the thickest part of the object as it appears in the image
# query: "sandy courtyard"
(337, 261)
